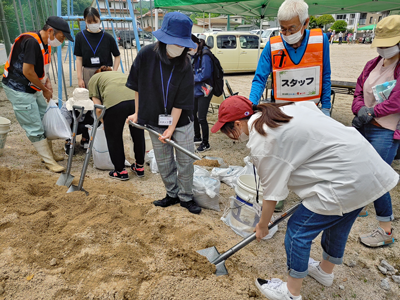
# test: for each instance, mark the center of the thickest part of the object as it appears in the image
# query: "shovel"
(74, 188)
(66, 178)
(168, 141)
(218, 260)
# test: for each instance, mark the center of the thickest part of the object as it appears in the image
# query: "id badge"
(95, 60)
(164, 120)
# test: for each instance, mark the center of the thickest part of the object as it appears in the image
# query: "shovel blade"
(221, 269)
(65, 179)
(210, 253)
(74, 188)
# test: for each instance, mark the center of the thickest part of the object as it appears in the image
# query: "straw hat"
(80, 98)
(387, 32)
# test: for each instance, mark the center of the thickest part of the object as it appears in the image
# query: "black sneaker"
(85, 144)
(167, 201)
(191, 207)
(204, 147)
(197, 140)
(138, 170)
(123, 175)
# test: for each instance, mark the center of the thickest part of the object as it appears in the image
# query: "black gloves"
(364, 116)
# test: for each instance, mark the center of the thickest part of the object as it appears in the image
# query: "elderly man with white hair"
(298, 59)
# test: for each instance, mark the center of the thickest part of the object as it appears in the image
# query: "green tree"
(313, 23)
(324, 20)
(339, 26)
(195, 16)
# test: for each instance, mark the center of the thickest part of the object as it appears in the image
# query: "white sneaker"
(315, 272)
(275, 289)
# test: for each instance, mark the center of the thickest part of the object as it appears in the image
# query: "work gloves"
(364, 116)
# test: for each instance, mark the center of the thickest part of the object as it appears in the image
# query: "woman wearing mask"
(203, 79)
(162, 78)
(377, 116)
(294, 146)
(93, 48)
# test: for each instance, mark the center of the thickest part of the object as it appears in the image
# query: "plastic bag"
(205, 189)
(383, 91)
(242, 218)
(231, 174)
(54, 123)
(152, 161)
(101, 156)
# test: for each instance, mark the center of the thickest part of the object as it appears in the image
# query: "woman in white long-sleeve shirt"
(331, 167)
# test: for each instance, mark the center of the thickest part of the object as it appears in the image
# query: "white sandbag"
(54, 123)
(242, 218)
(152, 161)
(205, 189)
(101, 156)
(227, 175)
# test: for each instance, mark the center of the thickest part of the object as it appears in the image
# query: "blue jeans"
(304, 226)
(382, 140)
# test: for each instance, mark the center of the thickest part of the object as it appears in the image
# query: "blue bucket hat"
(176, 29)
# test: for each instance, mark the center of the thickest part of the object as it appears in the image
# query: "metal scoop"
(74, 188)
(218, 260)
(168, 141)
(66, 178)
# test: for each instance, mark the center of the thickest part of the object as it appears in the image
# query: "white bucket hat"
(80, 98)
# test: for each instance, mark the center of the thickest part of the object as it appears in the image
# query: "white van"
(267, 34)
(237, 51)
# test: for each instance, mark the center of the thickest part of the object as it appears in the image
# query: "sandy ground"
(114, 244)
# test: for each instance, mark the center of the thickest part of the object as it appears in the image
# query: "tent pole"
(156, 19)
(259, 39)
(209, 22)
(228, 28)
(203, 21)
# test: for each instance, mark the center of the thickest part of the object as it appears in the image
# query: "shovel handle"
(168, 141)
(252, 237)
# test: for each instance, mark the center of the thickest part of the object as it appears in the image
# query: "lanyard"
(162, 84)
(94, 51)
(257, 184)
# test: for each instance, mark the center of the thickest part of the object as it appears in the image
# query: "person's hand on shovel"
(167, 134)
(132, 118)
(261, 229)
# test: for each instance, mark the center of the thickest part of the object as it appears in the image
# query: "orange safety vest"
(46, 57)
(299, 82)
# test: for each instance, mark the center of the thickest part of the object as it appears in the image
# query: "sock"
(388, 233)
(293, 297)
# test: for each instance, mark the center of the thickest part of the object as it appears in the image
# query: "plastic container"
(5, 125)
(246, 189)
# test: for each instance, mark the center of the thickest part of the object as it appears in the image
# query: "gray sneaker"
(377, 238)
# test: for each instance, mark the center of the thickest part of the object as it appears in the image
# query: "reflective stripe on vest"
(46, 56)
(299, 82)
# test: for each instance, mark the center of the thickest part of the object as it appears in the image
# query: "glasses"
(291, 30)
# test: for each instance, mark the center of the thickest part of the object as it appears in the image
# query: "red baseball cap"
(232, 109)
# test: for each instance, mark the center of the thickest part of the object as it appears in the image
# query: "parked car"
(237, 51)
(257, 31)
(267, 34)
(126, 38)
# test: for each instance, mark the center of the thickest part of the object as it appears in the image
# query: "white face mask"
(192, 52)
(293, 38)
(388, 52)
(93, 27)
(174, 50)
(55, 42)
(243, 137)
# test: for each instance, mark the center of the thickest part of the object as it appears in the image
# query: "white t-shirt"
(333, 168)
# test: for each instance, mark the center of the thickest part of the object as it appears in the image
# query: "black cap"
(61, 25)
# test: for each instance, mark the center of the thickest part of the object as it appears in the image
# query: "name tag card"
(95, 60)
(297, 83)
(165, 120)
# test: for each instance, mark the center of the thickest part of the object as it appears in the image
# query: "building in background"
(148, 20)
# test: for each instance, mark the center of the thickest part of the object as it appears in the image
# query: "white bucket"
(5, 125)
(147, 141)
(246, 189)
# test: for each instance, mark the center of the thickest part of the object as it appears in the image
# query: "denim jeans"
(304, 226)
(382, 140)
(201, 105)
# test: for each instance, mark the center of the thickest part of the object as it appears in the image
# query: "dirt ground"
(114, 244)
